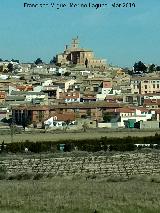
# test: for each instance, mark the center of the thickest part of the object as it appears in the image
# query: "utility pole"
(12, 132)
(12, 127)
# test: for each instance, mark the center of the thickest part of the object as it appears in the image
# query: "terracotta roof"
(151, 102)
(128, 110)
(157, 111)
(142, 109)
(92, 105)
(64, 117)
(30, 107)
(25, 88)
(121, 110)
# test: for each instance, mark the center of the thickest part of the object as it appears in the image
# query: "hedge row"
(90, 145)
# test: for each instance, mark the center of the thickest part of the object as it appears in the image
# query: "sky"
(120, 35)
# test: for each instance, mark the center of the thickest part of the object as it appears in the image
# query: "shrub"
(38, 176)
(88, 145)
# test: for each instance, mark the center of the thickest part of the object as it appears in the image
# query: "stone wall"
(124, 165)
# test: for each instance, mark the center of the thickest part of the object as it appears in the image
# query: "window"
(154, 86)
(145, 86)
(158, 86)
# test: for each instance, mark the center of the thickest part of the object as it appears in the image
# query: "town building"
(145, 85)
(75, 55)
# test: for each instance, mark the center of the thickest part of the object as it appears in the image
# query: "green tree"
(158, 68)
(26, 121)
(67, 73)
(1, 68)
(66, 125)
(38, 61)
(10, 67)
(53, 60)
(107, 117)
(151, 68)
(15, 60)
(86, 62)
(139, 66)
(84, 127)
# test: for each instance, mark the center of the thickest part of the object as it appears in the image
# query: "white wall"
(136, 117)
(108, 125)
(47, 82)
(100, 97)
(38, 88)
(11, 88)
(106, 91)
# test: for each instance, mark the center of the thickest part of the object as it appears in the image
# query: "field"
(37, 136)
(78, 195)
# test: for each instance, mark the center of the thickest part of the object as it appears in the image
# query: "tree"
(151, 68)
(66, 125)
(10, 67)
(53, 61)
(1, 68)
(38, 61)
(85, 126)
(26, 121)
(158, 68)
(139, 66)
(34, 124)
(1, 60)
(15, 60)
(67, 73)
(22, 78)
(86, 62)
(107, 117)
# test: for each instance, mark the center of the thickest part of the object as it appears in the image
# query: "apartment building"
(145, 85)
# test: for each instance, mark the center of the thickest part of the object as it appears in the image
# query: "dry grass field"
(37, 136)
(78, 195)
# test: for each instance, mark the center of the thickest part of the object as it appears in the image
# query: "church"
(75, 55)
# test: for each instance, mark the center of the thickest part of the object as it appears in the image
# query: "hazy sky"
(122, 36)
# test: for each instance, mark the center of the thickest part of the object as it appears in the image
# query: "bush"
(38, 176)
(88, 145)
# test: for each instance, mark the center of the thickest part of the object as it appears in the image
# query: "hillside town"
(77, 90)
